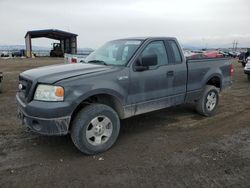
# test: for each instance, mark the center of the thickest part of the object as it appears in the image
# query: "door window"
(156, 48)
(176, 52)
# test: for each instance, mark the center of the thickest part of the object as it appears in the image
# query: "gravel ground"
(173, 147)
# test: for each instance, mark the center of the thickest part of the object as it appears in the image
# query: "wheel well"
(106, 99)
(215, 81)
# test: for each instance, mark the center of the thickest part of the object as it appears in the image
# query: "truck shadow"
(136, 126)
(154, 120)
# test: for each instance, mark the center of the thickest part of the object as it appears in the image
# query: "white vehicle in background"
(74, 58)
(77, 58)
(6, 54)
(247, 68)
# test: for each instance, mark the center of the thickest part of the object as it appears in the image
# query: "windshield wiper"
(98, 61)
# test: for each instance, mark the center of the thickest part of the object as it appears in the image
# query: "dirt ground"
(174, 147)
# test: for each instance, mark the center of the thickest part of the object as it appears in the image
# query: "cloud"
(193, 21)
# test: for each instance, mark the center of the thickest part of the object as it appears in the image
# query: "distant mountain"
(34, 48)
(21, 47)
(191, 46)
(215, 46)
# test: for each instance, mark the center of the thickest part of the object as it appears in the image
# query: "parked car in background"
(232, 54)
(1, 78)
(195, 56)
(247, 68)
(238, 53)
(242, 59)
(18, 53)
(204, 54)
(225, 54)
(212, 54)
(5, 54)
(121, 79)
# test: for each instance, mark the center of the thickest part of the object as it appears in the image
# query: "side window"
(157, 48)
(176, 52)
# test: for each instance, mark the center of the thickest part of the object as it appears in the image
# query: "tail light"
(231, 70)
(73, 60)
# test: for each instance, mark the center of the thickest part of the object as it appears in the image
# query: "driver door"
(150, 88)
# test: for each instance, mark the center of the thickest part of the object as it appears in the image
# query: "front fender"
(77, 94)
(99, 91)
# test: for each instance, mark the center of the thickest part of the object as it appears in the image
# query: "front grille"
(26, 86)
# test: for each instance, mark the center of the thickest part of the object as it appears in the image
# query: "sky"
(206, 23)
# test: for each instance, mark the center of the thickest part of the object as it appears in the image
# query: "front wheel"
(95, 129)
(208, 102)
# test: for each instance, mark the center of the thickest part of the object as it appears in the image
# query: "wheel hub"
(99, 130)
(211, 101)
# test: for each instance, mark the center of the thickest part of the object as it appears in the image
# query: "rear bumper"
(43, 125)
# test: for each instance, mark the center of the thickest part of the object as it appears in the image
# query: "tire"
(248, 77)
(88, 125)
(207, 107)
(0, 87)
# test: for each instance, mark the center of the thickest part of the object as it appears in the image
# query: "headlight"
(49, 93)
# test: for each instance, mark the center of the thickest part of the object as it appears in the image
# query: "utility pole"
(236, 44)
(233, 44)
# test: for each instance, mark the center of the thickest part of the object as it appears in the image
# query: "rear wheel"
(95, 129)
(208, 103)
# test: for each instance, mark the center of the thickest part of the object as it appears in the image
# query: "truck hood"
(53, 73)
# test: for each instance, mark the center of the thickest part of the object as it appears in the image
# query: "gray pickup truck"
(121, 79)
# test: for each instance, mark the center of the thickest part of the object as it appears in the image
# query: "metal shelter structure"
(67, 40)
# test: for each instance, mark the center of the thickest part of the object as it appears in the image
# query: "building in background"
(67, 41)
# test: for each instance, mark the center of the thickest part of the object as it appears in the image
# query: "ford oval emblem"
(20, 86)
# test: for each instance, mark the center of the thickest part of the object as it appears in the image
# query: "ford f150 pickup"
(123, 78)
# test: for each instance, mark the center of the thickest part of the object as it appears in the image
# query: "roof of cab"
(148, 38)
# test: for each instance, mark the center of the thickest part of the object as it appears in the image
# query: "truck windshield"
(116, 52)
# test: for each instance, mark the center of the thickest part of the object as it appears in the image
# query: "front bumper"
(49, 123)
(247, 71)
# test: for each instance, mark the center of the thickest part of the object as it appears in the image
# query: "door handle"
(170, 73)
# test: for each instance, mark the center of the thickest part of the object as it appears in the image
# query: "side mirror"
(149, 60)
(145, 62)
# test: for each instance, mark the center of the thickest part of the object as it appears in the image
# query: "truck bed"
(200, 71)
